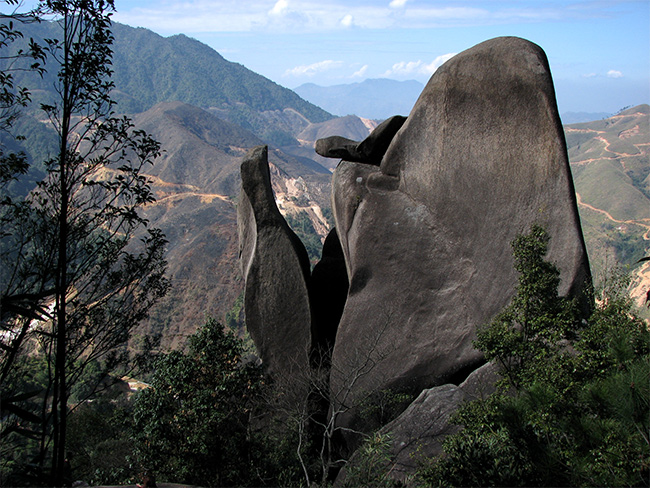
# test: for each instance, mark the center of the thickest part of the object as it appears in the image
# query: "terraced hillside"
(611, 169)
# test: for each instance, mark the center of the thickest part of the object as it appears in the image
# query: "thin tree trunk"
(60, 404)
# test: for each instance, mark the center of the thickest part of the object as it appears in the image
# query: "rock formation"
(425, 211)
(276, 269)
(417, 435)
(426, 235)
(369, 151)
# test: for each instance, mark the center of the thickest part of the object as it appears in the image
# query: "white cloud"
(361, 72)
(589, 75)
(404, 68)
(280, 8)
(347, 21)
(397, 3)
(413, 68)
(200, 16)
(430, 68)
(312, 69)
(612, 73)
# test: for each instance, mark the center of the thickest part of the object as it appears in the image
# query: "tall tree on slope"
(84, 216)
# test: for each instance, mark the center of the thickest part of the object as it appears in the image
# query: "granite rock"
(276, 269)
(426, 235)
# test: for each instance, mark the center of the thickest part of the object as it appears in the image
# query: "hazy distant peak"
(374, 98)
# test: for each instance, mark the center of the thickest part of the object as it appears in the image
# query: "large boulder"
(276, 271)
(426, 235)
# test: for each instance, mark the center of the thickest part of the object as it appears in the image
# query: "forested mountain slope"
(149, 69)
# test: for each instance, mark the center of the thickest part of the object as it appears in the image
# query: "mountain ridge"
(149, 68)
(610, 162)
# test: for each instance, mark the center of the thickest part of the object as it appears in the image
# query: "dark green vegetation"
(205, 418)
(304, 229)
(149, 69)
(196, 424)
(573, 406)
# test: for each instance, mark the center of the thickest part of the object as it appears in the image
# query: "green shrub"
(573, 408)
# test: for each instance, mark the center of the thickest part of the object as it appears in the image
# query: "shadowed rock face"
(328, 290)
(276, 269)
(426, 235)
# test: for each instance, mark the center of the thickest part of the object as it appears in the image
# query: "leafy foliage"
(369, 463)
(77, 255)
(100, 445)
(573, 408)
(194, 423)
(13, 97)
(528, 332)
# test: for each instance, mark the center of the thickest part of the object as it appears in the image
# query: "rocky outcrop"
(370, 151)
(275, 266)
(426, 235)
(426, 209)
(418, 433)
(424, 425)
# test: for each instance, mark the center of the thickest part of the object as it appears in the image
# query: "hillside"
(196, 182)
(611, 169)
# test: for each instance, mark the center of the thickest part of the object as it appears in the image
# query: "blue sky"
(599, 51)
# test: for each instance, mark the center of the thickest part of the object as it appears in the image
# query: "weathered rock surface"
(426, 235)
(418, 433)
(276, 269)
(425, 211)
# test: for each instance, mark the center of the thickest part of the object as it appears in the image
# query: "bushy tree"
(195, 422)
(573, 406)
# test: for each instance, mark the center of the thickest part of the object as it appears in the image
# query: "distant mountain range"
(373, 99)
(207, 112)
(577, 117)
(382, 98)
